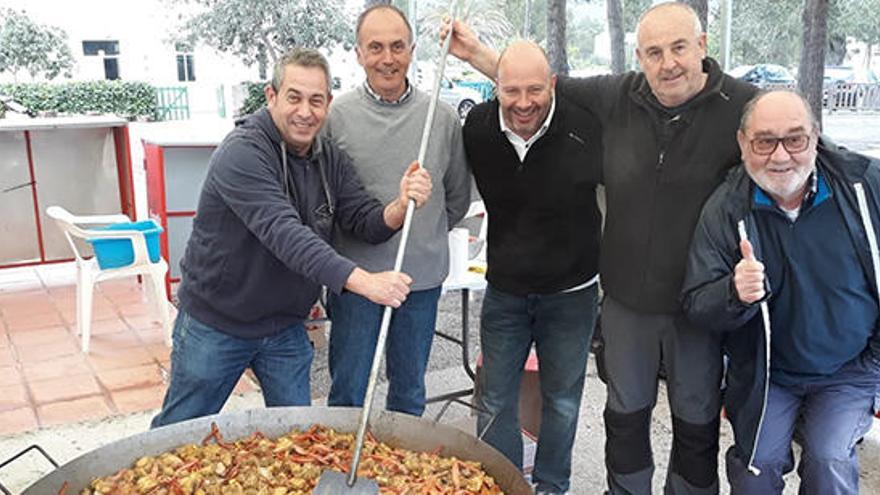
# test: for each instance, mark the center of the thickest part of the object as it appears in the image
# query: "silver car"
(462, 99)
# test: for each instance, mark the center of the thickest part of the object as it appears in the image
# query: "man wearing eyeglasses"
(379, 125)
(807, 247)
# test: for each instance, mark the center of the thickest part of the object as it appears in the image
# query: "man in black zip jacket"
(808, 211)
(259, 250)
(536, 161)
(669, 136)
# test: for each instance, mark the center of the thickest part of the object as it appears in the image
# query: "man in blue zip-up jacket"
(814, 364)
(259, 250)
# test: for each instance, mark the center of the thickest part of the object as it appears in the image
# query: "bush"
(124, 98)
(254, 98)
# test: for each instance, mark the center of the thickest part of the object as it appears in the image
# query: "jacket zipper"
(765, 317)
(865, 215)
(869, 231)
(668, 123)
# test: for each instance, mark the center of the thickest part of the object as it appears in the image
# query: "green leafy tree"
(582, 33)
(702, 9)
(38, 50)
(622, 17)
(859, 19)
(488, 18)
(260, 31)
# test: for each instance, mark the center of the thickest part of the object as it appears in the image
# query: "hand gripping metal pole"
(398, 264)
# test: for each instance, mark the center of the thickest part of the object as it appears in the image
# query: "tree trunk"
(262, 62)
(370, 3)
(812, 64)
(556, 39)
(702, 8)
(615, 33)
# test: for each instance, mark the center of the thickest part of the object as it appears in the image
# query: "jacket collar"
(493, 116)
(641, 91)
(262, 119)
(837, 165)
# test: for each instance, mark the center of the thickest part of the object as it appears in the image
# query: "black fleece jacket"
(258, 255)
(660, 164)
(544, 223)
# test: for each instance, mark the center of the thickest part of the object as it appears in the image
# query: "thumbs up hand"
(748, 275)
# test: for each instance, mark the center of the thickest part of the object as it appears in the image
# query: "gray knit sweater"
(383, 139)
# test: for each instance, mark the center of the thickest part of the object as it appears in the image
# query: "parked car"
(763, 74)
(462, 99)
(839, 74)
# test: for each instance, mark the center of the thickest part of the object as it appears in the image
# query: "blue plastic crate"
(115, 253)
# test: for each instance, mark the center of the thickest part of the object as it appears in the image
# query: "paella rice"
(291, 465)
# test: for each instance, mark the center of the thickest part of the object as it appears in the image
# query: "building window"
(107, 50)
(185, 66)
(111, 68)
(109, 47)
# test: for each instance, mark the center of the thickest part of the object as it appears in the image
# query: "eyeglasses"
(795, 143)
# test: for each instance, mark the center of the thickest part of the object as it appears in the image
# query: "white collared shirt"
(377, 97)
(522, 145)
(522, 148)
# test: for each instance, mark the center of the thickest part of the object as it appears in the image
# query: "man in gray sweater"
(379, 125)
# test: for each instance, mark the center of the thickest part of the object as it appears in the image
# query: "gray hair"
(698, 25)
(301, 57)
(749, 107)
(381, 6)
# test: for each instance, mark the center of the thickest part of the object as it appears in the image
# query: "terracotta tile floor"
(45, 379)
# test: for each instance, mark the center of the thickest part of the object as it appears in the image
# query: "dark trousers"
(634, 346)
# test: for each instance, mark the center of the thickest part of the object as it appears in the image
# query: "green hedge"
(254, 99)
(124, 98)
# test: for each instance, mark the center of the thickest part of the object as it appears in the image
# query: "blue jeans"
(830, 416)
(353, 335)
(561, 327)
(206, 364)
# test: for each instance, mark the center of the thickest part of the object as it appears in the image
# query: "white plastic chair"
(88, 273)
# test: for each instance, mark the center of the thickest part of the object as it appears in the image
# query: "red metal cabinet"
(80, 163)
(176, 165)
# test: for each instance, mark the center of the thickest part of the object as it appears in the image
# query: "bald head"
(671, 48)
(675, 13)
(523, 56)
(525, 88)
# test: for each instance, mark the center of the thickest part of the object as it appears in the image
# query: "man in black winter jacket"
(668, 136)
(259, 250)
(784, 263)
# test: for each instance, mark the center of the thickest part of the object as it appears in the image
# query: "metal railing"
(172, 103)
(844, 96)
